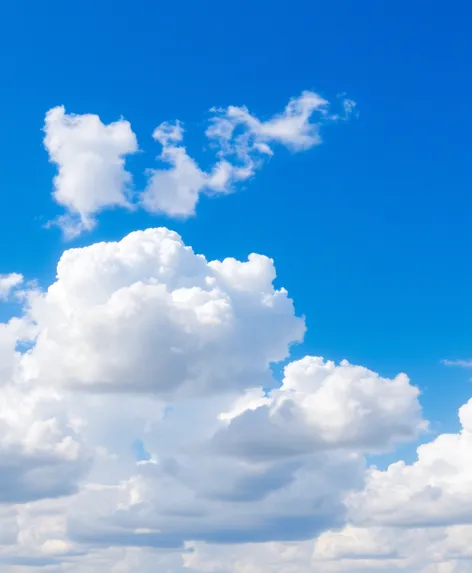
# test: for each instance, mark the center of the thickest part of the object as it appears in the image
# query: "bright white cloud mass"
(142, 429)
(142, 426)
(90, 158)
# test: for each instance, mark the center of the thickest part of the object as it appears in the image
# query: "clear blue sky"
(370, 232)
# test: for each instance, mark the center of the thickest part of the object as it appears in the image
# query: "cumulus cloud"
(186, 492)
(147, 314)
(241, 141)
(40, 453)
(144, 341)
(321, 405)
(434, 490)
(175, 190)
(8, 283)
(90, 158)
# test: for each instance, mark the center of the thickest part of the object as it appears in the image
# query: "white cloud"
(242, 141)
(293, 128)
(383, 549)
(324, 406)
(349, 550)
(175, 191)
(460, 363)
(147, 314)
(434, 490)
(40, 454)
(143, 340)
(90, 157)
(146, 317)
(8, 283)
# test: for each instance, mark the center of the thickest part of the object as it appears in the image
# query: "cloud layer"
(142, 427)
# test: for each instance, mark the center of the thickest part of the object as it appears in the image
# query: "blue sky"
(369, 231)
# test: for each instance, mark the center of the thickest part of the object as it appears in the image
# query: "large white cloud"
(288, 479)
(147, 314)
(141, 427)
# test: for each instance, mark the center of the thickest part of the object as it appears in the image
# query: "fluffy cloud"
(434, 490)
(323, 406)
(147, 314)
(40, 453)
(90, 157)
(175, 191)
(8, 283)
(141, 427)
(241, 141)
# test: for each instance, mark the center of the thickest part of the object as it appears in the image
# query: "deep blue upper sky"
(370, 232)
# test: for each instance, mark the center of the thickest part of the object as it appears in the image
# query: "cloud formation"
(8, 283)
(434, 490)
(147, 314)
(293, 127)
(142, 341)
(175, 191)
(323, 406)
(41, 455)
(90, 157)
(460, 363)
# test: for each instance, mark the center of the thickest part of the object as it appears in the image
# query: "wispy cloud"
(8, 283)
(460, 363)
